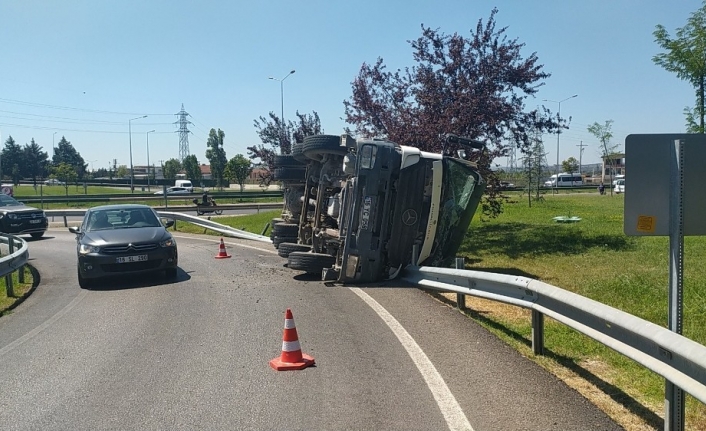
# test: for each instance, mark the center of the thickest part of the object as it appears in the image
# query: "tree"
(238, 170)
(275, 140)
(570, 165)
(686, 56)
(122, 172)
(474, 87)
(66, 153)
(66, 173)
(171, 168)
(216, 155)
(11, 159)
(603, 132)
(191, 167)
(36, 162)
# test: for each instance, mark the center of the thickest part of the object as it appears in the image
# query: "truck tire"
(290, 173)
(311, 263)
(285, 229)
(297, 154)
(277, 240)
(286, 248)
(316, 146)
(282, 160)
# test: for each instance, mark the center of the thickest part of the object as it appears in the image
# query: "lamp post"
(148, 160)
(132, 171)
(558, 132)
(53, 150)
(281, 91)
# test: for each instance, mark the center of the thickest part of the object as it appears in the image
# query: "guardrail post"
(8, 278)
(537, 332)
(66, 223)
(460, 297)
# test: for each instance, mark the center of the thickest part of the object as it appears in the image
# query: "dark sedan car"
(123, 239)
(17, 218)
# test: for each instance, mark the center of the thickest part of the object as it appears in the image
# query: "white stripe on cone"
(288, 323)
(290, 346)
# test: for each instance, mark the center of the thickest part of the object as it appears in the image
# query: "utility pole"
(581, 145)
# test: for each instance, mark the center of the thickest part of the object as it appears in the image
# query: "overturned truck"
(358, 211)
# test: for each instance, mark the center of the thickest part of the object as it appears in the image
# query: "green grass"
(19, 290)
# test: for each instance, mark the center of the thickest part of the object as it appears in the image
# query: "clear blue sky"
(83, 68)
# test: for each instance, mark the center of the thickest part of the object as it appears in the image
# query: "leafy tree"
(570, 165)
(66, 173)
(238, 170)
(474, 87)
(36, 162)
(11, 159)
(171, 168)
(216, 155)
(66, 153)
(686, 56)
(191, 167)
(604, 133)
(122, 171)
(275, 140)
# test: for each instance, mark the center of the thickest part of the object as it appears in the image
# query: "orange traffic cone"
(222, 251)
(292, 357)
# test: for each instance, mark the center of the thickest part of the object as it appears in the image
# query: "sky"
(86, 69)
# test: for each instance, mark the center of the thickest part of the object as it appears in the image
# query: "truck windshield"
(461, 192)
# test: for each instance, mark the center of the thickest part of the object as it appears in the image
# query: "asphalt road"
(193, 354)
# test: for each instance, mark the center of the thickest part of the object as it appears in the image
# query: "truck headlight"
(367, 156)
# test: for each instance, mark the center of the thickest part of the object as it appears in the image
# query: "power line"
(68, 108)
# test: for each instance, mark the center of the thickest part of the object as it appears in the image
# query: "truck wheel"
(285, 229)
(312, 263)
(278, 240)
(286, 248)
(297, 148)
(316, 146)
(290, 173)
(286, 160)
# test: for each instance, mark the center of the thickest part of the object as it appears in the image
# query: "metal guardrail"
(16, 259)
(676, 358)
(145, 197)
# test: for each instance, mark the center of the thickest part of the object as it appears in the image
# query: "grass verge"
(20, 290)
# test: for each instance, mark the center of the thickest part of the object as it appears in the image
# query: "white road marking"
(455, 418)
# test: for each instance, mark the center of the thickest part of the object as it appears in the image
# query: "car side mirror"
(169, 223)
(75, 229)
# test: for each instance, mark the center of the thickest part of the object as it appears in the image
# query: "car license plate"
(129, 259)
(36, 221)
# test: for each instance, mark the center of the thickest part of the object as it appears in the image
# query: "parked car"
(123, 239)
(54, 182)
(620, 186)
(565, 180)
(17, 218)
(175, 191)
(506, 185)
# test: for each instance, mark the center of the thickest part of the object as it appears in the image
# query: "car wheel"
(37, 235)
(170, 273)
(218, 212)
(312, 263)
(83, 282)
(285, 248)
(317, 145)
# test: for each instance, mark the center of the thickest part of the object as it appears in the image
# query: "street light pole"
(558, 132)
(53, 150)
(148, 160)
(281, 92)
(132, 171)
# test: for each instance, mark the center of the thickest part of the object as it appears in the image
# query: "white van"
(565, 180)
(184, 183)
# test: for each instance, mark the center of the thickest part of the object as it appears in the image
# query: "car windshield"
(124, 218)
(7, 201)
